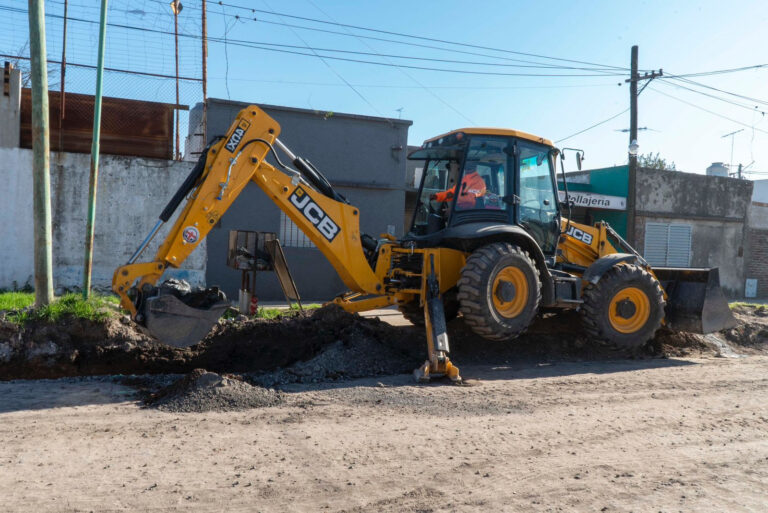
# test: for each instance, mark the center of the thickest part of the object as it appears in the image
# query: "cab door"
(537, 209)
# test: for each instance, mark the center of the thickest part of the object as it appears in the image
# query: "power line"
(707, 110)
(432, 93)
(339, 75)
(393, 86)
(593, 126)
(705, 86)
(259, 46)
(755, 108)
(722, 71)
(411, 36)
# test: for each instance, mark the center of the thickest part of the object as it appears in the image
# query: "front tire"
(499, 291)
(624, 308)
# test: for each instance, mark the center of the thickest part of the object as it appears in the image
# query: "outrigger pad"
(695, 301)
(176, 324)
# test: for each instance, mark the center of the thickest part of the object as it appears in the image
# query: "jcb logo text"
(579, 235)
(324, 224)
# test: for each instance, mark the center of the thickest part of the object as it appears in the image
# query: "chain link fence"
(153, 71)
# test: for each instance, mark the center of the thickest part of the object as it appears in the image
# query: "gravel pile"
(364, 348)
(202, 391)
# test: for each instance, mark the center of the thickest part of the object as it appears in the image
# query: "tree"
(655, 161)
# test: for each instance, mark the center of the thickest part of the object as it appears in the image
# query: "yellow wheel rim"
(629, 310)
(510, 292)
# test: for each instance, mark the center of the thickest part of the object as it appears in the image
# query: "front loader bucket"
(695, 301)
(176, 324)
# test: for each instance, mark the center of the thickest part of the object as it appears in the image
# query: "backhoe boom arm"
(227, 167)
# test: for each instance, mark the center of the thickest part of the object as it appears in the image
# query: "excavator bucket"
(183, 323)
(695, 301)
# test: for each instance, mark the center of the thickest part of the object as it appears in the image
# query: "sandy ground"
(648, 435)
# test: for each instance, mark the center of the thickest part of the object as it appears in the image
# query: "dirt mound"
(364, 347)
(326, 344)
(74, 347)
(201, 391)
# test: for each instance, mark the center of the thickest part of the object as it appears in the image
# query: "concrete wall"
(715, 207)
(132, 192)
(364, 157)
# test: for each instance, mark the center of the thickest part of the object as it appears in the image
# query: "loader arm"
(332, 225)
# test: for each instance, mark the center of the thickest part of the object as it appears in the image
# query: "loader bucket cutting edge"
(176, 324)
(695, 301)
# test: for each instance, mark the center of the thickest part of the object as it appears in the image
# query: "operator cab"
(489, 176)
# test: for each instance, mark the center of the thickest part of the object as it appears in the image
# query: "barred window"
(290, 234)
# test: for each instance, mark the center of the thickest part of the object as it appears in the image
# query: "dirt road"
(648, 435)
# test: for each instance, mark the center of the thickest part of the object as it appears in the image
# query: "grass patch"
(276, 313)
(96, 308)
(746, 303)
(16, 300)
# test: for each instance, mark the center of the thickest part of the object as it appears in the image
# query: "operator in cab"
(472, 187)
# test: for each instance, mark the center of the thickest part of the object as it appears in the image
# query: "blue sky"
(680, 37)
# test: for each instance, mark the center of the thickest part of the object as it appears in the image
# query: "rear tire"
(499, 291)
(624, 308)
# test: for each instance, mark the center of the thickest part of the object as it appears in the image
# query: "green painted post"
(41, 202)
(93, 183)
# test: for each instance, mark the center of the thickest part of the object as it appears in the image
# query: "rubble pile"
(203, 391)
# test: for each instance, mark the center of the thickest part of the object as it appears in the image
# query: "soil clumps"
(326, 344)
(203, 391)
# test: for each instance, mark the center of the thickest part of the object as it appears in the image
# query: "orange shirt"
(472, 187)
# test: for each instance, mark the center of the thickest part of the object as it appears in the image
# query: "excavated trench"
(325, 345)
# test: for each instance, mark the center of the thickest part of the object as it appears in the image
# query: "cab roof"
(496, 131)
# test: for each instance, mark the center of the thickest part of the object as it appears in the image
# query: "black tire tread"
(596, 301)
(474, 305)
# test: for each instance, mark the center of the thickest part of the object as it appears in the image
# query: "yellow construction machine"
(488, 241)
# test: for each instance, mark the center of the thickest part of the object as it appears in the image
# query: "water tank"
(717, 169)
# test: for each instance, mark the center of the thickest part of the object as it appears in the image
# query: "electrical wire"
(721, 71)
(258, 45)
(705, 86)
(340, 76)
(413, 79)
(593, 126)
(410, 36)
(706, 110)
(679, 86)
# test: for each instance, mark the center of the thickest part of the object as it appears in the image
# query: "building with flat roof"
(362, 156)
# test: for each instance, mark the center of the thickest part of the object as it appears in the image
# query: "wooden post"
(41, 201)
(631, 205)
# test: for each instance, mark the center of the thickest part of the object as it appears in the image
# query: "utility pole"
(41, 155)
(93, 182)
(633, 80)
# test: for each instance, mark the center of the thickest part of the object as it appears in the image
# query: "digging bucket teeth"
(695, 301)
(174, 323)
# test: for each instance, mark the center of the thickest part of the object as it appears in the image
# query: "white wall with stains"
(132, 193)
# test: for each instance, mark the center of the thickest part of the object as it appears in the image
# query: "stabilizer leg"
(438, 363)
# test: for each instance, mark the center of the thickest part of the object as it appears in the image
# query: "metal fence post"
(93, 183)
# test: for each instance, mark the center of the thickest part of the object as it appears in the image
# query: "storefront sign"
(592, 200)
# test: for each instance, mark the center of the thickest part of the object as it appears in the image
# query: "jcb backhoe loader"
(488, 241)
